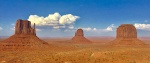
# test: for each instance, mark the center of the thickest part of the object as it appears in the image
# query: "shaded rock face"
(126, 34)
(24, 27)
(24, 38)
(79, 37)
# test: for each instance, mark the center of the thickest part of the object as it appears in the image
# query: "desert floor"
(64, 52)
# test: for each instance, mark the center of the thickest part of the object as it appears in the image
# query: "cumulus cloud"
(54, 20)
(110, 28)
(142, 26)
(12, 27)
(50, 20)
(68, 19)
(94, 29)
(57, 27)
(88, 29)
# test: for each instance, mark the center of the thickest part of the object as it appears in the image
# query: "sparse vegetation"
(87, 54)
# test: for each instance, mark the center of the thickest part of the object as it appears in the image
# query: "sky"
(61, 18)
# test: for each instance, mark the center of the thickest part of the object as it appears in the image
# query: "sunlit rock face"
(24, 27)
(24, 38)
(126, 34)
(79, 37)
(126, 31)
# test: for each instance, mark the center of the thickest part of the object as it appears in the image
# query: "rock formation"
(126, 31)
(126, 34)
(79, 37)
(24, 27)
(24, 38)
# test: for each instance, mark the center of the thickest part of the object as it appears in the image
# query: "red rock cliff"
(126, 31)
(126, 34)
(24, 38)
(79, 37)
(24, 27)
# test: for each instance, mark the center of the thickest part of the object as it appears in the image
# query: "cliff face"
(79, 32)
(79, 37)
(24, 38)
(24, 27)
(126, 31)
(126, 34)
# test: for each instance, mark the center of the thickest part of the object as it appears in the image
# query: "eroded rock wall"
(24, 27)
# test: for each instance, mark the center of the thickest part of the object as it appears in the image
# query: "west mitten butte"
(24, 37)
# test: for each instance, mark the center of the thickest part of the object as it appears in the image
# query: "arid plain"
(74, 31)
(64, 52)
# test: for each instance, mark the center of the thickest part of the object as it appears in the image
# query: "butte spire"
(79, 37)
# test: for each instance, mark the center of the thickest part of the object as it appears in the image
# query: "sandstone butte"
(79, 37)
(24, 37)
(126, 34)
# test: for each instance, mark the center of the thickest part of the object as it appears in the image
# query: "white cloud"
(142, 26)
(68, 19)
(13, 27)
(50, 20)
(94, 29)
(70, 30)
(54, 20)
(87, 29)
(1, 28)
(59, 26)
(110, 28)
(67, 30)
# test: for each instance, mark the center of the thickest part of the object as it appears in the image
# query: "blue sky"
(96, 17)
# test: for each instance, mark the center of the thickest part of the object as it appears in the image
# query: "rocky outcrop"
(79, 33)
(24, 38)
(126, 34)
(24, 27)
(79, 37)
(126, 31)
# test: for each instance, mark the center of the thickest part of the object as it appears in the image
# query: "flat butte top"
(126, 31)
(126, 34)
